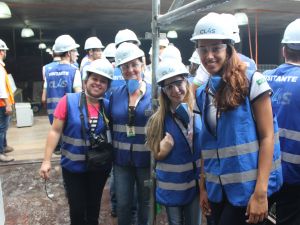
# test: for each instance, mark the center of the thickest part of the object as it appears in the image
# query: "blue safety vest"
(74, 146)
(60, 80)
(130, 151)
(177, 175)
(249, 62)
(231, 156)
(285, 82)
(50, 65)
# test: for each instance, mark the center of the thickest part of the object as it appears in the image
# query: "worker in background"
(285, 83)
(239, 149)
(74, 60)
(173, 135)
(56, 59)
(128, 104)
(109, 53)
(194, 69)
(63, 77)
(197, 71)
(6, 103)
(93, 47)
(163, 43)
(202, 75)
(82, 119)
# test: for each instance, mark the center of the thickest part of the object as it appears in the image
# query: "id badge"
(130, 130)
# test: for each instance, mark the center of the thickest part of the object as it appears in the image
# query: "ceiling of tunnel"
(104, 18)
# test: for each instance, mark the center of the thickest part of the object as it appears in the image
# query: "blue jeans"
(125, 179)
(4, 122)
(189, 214)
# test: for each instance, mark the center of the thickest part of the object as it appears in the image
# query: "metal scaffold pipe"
(188, 10)
(155, 40)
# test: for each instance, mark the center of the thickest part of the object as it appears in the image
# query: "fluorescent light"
(27, 32)
(4, 11)
(241, 18)
(172, 34)
(42, 46)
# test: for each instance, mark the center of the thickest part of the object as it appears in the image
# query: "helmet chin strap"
(93, 98)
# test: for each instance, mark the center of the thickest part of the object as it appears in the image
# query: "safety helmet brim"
(173, 74)
(130, 58)
(91, 70)
(101, 67)
(210, 37)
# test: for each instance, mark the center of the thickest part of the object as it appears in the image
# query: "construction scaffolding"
(176, 11)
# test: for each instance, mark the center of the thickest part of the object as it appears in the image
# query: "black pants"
(288, 205)
(224, 213)
(84, 192)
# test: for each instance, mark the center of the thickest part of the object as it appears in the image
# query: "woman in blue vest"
(128, 106)
(81, 120)
(239, 138)
(173, 136)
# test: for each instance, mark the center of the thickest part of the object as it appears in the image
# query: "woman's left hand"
(257, 208)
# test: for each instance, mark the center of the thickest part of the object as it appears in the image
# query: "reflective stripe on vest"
(53, 100)
(122, 128)
(290, 158)
(175, 186)
(71, 156)
(126, 146)
(74, 141)
(239, 177)
(234, 150)
(176, 168)
(290, 134)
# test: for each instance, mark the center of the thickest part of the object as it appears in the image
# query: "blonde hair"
(155, 125)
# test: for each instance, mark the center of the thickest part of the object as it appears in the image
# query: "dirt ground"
(26, 202)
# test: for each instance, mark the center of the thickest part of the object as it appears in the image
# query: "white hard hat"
(92, 42)
(3, 46)
(195, 58)
(291, 35)
(231, 20)
(126, 36)
(101, 67)
(170, 68)
(164, 42)
(127, 52)
(64, 43)
(171, 52)
(110, 50)
(212, 26)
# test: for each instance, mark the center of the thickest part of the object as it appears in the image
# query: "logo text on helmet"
(208, 31)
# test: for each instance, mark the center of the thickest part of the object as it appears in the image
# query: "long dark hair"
(235, 85)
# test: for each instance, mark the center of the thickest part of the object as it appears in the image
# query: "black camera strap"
(80, 105)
